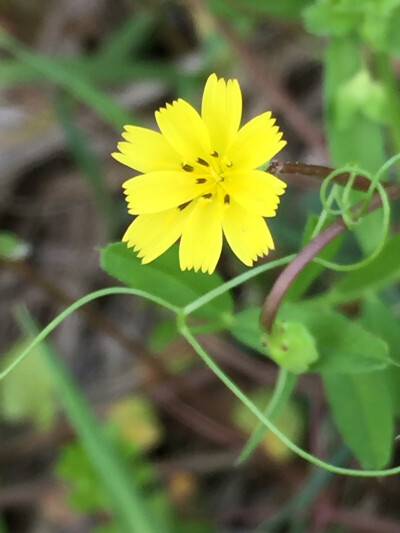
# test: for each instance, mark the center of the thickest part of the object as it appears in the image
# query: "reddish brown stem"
(311, 175)
(307, 254)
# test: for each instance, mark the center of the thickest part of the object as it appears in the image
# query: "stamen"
(229, 164)
(201, 180)
(187, 167)
(183, 206)
(227, 199)
(208, 195)
(214, 154)
(202, 162)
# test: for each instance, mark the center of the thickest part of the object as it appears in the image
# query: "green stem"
(392, 92)
(76, 305)
(203, 300)
(208, 360)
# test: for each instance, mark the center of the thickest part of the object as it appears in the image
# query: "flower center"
(214, 170)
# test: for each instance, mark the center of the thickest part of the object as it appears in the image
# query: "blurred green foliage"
(86, 490)
(356, 352)
(374, 22)
(12, 248)
(29, 395)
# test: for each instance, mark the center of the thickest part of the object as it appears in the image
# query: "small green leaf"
(86, 493)
(163, 278)
(382, 271)
(331, 18)
(361, 95)
(363, 412)
(12, 248)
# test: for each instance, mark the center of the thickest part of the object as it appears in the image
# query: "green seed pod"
(291, 346)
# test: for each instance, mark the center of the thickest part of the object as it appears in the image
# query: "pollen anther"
(186, 167)
(183, 206)
(202, 162)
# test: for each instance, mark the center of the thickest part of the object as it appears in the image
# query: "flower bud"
(291, 346)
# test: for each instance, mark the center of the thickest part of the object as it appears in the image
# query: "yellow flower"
(200, 180)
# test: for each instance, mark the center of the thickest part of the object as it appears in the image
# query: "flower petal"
(257, 142)
(221, 111)
(201, 242)
(255, 190)
(158, 191)
(146, 151)
(184, 129)
(247, 233)
(152, 234)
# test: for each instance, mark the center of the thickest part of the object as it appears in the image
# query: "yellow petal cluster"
(199, 180)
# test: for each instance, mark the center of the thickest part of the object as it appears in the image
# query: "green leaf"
(344, 346)
(381, 320)
(362, 409)
(163, 278)
(382, 271)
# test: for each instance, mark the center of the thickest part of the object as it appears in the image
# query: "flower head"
(200, 180)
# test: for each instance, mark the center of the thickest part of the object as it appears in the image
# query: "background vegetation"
(115, 424)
